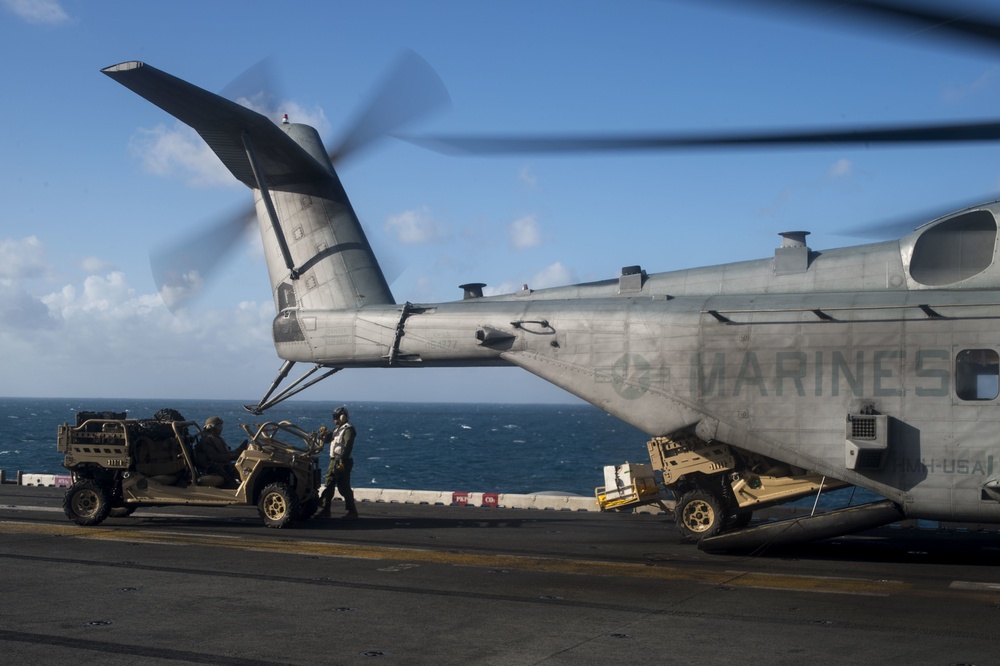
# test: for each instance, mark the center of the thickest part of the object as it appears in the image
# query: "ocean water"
(452, 447)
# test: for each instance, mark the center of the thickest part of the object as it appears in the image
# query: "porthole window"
(977, 374)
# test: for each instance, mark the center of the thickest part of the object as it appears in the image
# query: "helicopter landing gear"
(267, 401)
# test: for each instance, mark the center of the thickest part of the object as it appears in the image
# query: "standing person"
(338, 474)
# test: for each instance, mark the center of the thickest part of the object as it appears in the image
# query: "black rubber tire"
(278, 506)
(86, 503)
(699, 514)
(308, 508)
(121, 512)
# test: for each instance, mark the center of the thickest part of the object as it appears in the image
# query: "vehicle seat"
(158, 460)
(211, 480)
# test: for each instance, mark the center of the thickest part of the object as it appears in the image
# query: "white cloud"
(314, 117)
(94, 265)
(525, 176)
(47, 12)
(524, 233)
(842, 171)
(842, 168)
(960, 91)
(22, 258)
(105, 319)
(180, 150)
(19, 310)
(109, 295)
(297, 113)
(412, 227)
(103, 336)
(553, 275)
(179, 289)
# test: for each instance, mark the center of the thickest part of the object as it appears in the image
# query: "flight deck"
(424, 583)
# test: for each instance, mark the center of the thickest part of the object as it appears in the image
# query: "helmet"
(213, 422)
(340, 410)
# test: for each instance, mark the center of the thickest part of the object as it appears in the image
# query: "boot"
(324, 512)
(350, 515)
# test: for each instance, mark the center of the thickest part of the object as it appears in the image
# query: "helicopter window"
(977, 374)
(955, 249)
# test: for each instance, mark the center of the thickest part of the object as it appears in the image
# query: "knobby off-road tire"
(699, 514)
(86, 502)
(278, 506)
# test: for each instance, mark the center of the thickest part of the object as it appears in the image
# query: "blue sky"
(94, 177)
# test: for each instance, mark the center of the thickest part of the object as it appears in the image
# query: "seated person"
(211, 455)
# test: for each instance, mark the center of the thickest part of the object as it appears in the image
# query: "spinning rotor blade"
(410, 90)
(910, 17)
(256, 89)
(181, 270)
(904, 16)
(901, 225)
(498, 145)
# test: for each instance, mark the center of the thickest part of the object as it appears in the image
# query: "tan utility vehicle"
(710, 487)
(718, 487)
(119, 464)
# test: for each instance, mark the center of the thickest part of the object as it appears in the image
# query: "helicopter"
(874, 366)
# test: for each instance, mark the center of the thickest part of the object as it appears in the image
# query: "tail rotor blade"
(181, 269)
(256, 89)
(411, 90)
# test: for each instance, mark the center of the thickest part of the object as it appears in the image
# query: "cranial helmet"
(337, 412)
(213, 422)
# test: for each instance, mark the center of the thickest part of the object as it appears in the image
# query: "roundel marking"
(630, 376)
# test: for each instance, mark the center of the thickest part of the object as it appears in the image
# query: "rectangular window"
(977, 374)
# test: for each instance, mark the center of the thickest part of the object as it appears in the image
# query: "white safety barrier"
(57, 480)
(493, 500)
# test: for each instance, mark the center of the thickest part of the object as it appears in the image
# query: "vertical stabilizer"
(333, 266)
(317, 253)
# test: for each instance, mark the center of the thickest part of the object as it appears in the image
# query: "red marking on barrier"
(63, 481)
(491, 500)
(460, 499)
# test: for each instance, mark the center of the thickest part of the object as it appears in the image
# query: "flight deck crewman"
(338, 474)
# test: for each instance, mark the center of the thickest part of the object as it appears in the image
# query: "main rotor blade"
(410, 90)
(892, 228)
(914, 134)
(961, 24)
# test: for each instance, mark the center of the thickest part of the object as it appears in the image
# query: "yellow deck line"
(480, 560)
